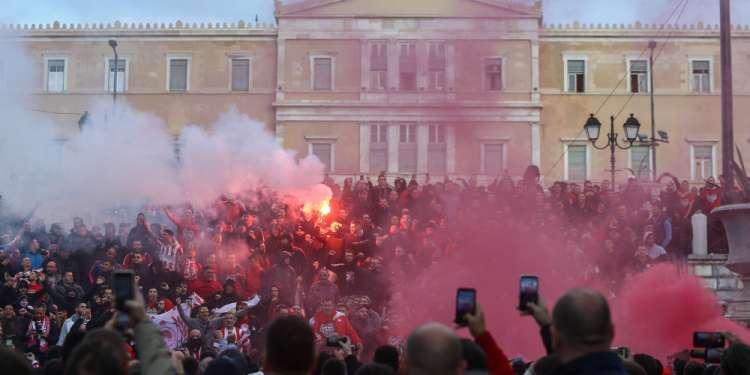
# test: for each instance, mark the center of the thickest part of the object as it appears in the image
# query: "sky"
(555, 11)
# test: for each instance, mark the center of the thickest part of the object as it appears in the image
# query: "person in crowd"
(582, 334)
(290, 347)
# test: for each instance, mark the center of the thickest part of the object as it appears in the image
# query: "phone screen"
(466, 303)
(122, 285)
(529, 291)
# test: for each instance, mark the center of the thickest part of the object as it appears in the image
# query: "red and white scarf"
(44, 326)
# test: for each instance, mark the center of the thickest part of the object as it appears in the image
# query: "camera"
(710, 344)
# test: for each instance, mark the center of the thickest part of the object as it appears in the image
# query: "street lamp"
(113, 44)
(593, 130)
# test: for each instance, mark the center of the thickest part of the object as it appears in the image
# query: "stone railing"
(134, 27)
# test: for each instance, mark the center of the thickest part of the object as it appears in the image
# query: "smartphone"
(466, 303)
(708, 340)
(123, 286)
(529, 291)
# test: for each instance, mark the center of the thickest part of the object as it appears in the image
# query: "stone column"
(536, 147)
(364, 148)
(422, 143)
(450, 149)
(393, 130)
(700, 234)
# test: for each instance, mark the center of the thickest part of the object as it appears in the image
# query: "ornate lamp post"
(593, 128)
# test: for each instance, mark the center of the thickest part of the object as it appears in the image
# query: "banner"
(173, 329)
(252, 302)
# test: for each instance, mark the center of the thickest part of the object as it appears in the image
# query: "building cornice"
(140, 29)
(636, 30)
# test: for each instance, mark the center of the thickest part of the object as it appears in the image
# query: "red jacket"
(325, 325)
(205, 288)
(497, 362)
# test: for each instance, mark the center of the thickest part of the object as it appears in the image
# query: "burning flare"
(325, 208)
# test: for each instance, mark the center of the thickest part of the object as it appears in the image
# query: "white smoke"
(123, 157)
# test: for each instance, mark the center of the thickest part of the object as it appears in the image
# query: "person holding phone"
(497, 361)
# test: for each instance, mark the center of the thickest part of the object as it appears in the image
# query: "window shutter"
(436, 59)
(576, 162)
(322, 73)
(378, 56)
(493, 159)
(576, 66)
(240, 75)
(178, 75)
(323, 152)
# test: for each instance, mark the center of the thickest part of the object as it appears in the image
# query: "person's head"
(693, 368)
(736, 360)
(34, 245)
(230, 319)
(140, 219)
(102, 351)
(26, 264)
(650, 364)
(204, 313)
(168, 235)
(290, 347)
(327, 306)
(137, 246)
(374, 369)
(14, 363)
(51, 267)
(106, 265)
(209, 273)
(81, 308)
(363, 312)
(581, 324)
(473, 355)
(9, 311)
(648, 239)
(333, 366)
(68, 277)
(222, 366)
(153, 295)
(387, 355)
(433, 349)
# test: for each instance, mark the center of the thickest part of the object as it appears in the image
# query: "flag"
(173, 329)
(252, 302)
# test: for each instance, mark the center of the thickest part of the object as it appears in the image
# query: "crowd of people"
(255, 279)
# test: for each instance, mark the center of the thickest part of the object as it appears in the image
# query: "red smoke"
(655, 312)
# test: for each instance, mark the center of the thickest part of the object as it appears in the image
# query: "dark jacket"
(603, 363)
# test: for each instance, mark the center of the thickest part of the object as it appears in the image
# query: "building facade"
(439, 87)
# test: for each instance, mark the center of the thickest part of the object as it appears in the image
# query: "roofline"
(288, 11)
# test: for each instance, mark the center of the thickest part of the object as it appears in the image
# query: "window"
(407, 67)
(378, 148)
(640, 162)
(701, 76)
(436, 150)
(703, 161)
(240, 74)
(378, 66)
(493, 159)
(576, 162)
(322, 74)
(324, 153)
(436, 64)
(55, 75)
(407, 148)
(576, 75)
(493, 70)
(638, 76)
(178, 74)
(121, 69)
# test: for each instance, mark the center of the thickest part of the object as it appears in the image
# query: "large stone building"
(446, 87)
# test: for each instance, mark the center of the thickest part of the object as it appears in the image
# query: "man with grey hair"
(433, 349)
(582, 333)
